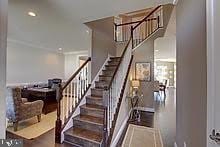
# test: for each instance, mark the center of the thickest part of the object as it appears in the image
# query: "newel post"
(158, 21)
(116, 29)
(58, 121)
(132, 36)
(105, 121)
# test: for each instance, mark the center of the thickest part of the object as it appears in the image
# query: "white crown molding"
(24, 84)
(32, 45)
(44, 48)
(76, 52)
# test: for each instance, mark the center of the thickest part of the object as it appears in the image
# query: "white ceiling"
(59, 23)
(165, 47)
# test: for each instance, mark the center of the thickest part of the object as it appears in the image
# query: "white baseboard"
(115, 141)
(147, 109)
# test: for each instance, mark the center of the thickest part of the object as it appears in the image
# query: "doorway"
(165, 83)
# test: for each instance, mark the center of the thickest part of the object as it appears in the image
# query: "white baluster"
(63, 107)
(74, 93)
(110, 115)
(80, 85)
(71, 96)
(84, 79)
(77, 89)
(87, 79)
(67, 101)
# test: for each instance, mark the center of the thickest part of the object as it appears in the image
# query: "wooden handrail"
(75, 74)
(116, 70)
(123, 24)
(147, 16)
(128, 23)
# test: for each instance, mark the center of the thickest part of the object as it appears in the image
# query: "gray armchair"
(19, 109)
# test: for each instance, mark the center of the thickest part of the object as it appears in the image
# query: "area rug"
(140, 136)
(30, 129)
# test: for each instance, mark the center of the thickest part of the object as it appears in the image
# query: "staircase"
(87, 127)
(95, 123)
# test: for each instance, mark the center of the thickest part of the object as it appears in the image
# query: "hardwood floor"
(164, 118)
(45, 140)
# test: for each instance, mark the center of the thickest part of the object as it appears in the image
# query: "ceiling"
(59, 23)
(165, 47)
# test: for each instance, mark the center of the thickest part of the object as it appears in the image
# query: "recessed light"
(87, 31)
(60, 49)
(32, 14)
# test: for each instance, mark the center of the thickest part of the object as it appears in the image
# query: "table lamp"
(135, 84)
(135, 100)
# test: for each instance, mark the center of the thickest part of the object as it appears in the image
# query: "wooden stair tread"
(72, 144)
(98, 88)
(111, 65)
(115, 64)
(104, 81)
(110, 61)
(104, 76)
(89, 118)
(94, 97)
(115, 57)
(85, 134)
(101, 81)
(92, 106)
(105, 70)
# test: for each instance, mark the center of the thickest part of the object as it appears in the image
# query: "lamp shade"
(135, 83)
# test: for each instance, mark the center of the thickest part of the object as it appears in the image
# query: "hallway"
(165, 116)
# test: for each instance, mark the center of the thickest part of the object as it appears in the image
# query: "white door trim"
(210, 70)
(3, 52)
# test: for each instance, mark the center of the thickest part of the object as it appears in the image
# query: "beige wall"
(27, 64)
(103, 43)
(72, 63)
(120, 46)
(3, 44)
(145, 53)
(191, 73)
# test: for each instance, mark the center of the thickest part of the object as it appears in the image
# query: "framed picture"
(143, 71)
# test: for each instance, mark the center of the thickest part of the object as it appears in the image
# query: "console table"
(45, 94)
